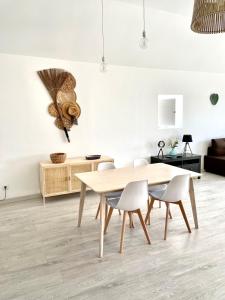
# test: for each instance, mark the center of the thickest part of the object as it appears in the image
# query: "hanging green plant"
(214, 98)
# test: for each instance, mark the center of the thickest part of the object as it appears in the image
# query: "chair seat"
(157, 194)
(113, 198)
(113, 195)
(158, 187)
(112, 202)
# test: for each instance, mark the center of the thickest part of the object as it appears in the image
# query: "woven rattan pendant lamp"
(208, 16)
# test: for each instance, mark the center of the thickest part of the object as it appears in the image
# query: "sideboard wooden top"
(76, 160)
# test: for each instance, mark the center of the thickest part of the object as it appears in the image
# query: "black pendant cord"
(144, 32)
(103, 37)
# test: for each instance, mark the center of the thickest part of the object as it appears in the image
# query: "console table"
(59, 179)
(190, 162)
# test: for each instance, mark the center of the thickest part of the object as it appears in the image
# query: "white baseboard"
(21, 198)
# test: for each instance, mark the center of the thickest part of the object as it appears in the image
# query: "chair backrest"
(106, 166)
(140, 162)
(134, 196)
(177, 189)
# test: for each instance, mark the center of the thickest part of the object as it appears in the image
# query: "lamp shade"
(187, 138)
(208, 16)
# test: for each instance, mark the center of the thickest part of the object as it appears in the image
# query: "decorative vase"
(173, 152)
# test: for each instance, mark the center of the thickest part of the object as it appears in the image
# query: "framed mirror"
(170, 111)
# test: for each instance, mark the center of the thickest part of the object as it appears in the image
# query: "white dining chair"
(138, 162)
(102, 167)
(132, 200)
(143, 162)
(177, 190)
(106, 166)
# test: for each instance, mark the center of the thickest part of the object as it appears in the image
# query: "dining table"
(103, 182)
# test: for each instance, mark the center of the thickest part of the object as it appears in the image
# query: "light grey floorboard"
(44, 256)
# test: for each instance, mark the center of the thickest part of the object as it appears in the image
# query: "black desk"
(188, 161)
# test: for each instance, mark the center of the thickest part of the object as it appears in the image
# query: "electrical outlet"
(5, 189)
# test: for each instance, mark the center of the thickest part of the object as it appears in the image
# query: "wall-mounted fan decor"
(60, 85)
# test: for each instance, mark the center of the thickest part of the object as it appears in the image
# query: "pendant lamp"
(208, 16)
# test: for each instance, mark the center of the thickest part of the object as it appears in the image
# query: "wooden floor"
(43, 255)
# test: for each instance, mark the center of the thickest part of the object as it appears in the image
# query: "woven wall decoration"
(60, 85)
(208, 16)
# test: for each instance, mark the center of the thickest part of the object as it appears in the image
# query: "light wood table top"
(116, 179)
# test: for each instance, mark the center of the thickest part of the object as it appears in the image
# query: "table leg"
(81, 205)
(193, 203)
(102, 224)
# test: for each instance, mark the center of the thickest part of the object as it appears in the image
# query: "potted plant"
(173, 144)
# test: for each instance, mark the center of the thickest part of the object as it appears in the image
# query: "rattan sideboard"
(59, 179)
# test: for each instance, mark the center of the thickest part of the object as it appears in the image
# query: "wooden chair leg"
(106, 211)
(166, 222)
(108, 219)
(98, 211)
(149, 210)
(184, 216)
(131, 219)
(170, 215)
(122, 231)
(148, 205)
(143, 225)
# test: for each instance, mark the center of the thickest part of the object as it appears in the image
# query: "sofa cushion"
(218, 147)
(220, 151)
(218, 143)
(219, 158)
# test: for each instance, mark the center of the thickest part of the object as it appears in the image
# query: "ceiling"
(182, 7)
(70, 30)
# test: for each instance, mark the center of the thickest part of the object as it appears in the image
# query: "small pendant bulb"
(143, 41)
(103, 65)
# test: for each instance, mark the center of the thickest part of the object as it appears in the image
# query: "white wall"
(119, 114)
(74, 33)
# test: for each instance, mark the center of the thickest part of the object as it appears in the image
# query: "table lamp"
(187, 138)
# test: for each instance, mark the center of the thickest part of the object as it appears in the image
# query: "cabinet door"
(192, 167)
(78, 168)
(56, 180)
